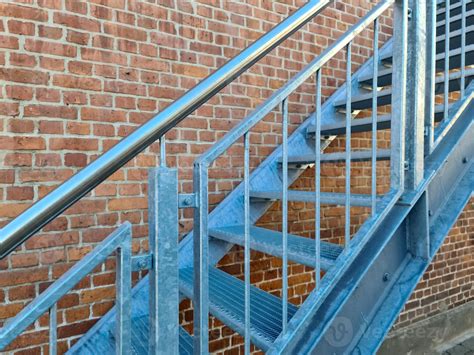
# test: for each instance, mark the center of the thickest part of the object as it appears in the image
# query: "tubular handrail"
(49, 207)
(119, 241)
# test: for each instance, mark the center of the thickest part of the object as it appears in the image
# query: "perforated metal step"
(226, 302)
(385, 74)
(384, 97)
(356, 156)
(327, 198)
(300, 250)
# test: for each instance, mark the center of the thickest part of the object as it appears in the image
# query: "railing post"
(416, 89)
(201, 261)
(164, 284)
(400, 36)
(430, 74)
(124, 296)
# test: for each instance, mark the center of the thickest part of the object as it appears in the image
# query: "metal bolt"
(142, 264)
(410, 14)
(187, 201)
(430, 213)
(386, 277)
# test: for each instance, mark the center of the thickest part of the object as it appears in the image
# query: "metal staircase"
(369, 277)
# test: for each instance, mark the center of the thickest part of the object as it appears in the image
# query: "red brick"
(8, 42)
(48, 95)
(50, 127)
(21, 28)
(19, 92)
(24, 12)
(22, 143)
(50, 32)
(24, 260)
(63, 50)
(81, 23)
(75, 159)
(125, 32)
(17, 159)
(100, 115)
(21, 126)
(97, 55)
(7, 176)
(73, 144)
(75, 82)
(50, 111)
(77, 37)
(22, 60)
(48, 160)
(24, 76)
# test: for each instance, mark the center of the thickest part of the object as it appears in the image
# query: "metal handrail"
(119, 241)
(46, 209)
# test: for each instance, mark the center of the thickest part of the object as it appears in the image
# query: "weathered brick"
(63, 50)
(24, 76)
(79, 22)
(73, 144)
(75, 82)
(24, 12)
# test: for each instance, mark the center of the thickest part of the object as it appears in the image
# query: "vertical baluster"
(123, 284)
(285, 214)
(374, 116)
(430, 74)
(348, 144)
(53, 328)
(463, 48)
(247, 239)
(201, 261)
(399, 83)
(446, 58)
(317, 176)
(163, 151)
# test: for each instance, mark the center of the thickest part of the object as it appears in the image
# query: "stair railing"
(34, 218)
(280, 99)
(442, 59)
(120, 241)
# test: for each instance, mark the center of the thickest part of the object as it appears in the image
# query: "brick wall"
(76, 76)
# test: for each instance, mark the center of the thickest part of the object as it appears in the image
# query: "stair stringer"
(375, 284)
(231, 210)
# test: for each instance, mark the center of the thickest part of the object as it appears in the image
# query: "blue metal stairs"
(366, 281)
(366, 285)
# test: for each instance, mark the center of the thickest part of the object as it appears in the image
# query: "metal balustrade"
(243, 129)
(120, 242)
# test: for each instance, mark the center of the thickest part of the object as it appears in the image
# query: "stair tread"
(356, 155)
(364, 101)
(300, 249)
(363, 124)
(140, 336)
(327, 198)
(385, 74)
(226, 302)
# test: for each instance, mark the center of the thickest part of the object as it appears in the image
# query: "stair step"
(140, 335)
(226, 302)
(455, 7)
(364, 101)
(357, 155)
(455, 21)
(359, 125)
(385, 74)
(300, 250)
(327, 198)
